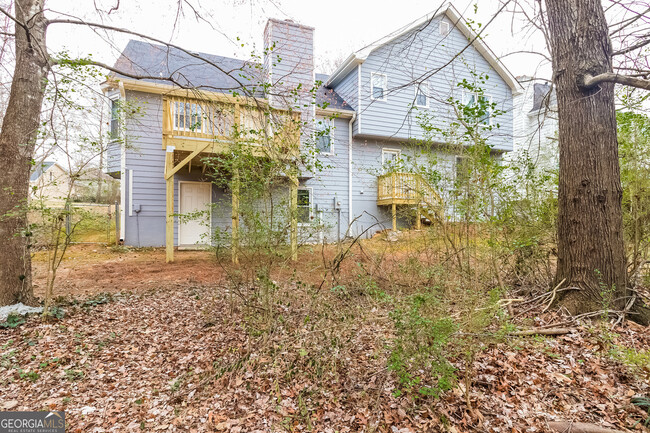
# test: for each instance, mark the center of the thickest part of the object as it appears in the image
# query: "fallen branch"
(543, 331)
(553, 297)
(579, 427)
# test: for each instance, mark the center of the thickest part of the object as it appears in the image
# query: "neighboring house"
(49, 182)
(370, 102)
(536, 128)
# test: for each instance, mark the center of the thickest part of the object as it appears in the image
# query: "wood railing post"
(235, 216)
(294, 216)
(169, 213)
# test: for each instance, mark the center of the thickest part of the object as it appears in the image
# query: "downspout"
(122, 215)
(350, 213)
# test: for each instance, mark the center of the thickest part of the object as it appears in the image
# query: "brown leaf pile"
(186, 359)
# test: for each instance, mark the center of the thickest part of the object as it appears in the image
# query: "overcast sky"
(342, 26)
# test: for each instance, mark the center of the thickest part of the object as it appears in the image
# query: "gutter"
(350, 217)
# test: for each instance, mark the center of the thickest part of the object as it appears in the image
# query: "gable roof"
(328, 98)
(153, 60)
(39, 169)
(456, 18)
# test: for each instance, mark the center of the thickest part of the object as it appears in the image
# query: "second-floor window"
(324, 137)
(478, 107)
(378, 86)
(422, 95)
(115, 119)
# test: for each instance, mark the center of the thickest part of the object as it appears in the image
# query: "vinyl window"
(444, 28)
(422, 95)
(378, 86)
(324, 136)
(480, 106)
(115, 119)
(305, 206)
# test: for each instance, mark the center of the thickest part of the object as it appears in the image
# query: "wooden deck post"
(235, 216)
(394, 209)
(169, 221)
(418, 217)
(294, 216)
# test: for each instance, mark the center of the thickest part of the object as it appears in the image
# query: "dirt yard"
(146, 346)
(91, 269)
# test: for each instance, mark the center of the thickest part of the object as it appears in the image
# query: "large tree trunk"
(19, 128)
(591, 254)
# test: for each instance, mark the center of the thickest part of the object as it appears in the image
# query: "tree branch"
(591, 81)
(633, 47)
(79, 22)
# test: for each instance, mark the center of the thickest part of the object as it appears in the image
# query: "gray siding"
(348, 89)
(113, 158)
(331, 184)
(411, 57)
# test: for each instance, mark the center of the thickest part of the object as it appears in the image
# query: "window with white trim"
(378, 86)
(324, 136)
(481, 105)
(422, 95)
(462, 169)
(444, 28)
(305, 206)
(390, 159)
(115, 119)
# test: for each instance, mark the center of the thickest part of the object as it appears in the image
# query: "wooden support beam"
(294, 216)
(169, 220)
(169, 172)
(418, 217)
(235, 187)
(394, 209)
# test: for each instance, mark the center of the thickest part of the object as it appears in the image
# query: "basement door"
(194, 206)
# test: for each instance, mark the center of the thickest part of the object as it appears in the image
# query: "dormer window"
(444, 28)
(378, 84)
(422, 95)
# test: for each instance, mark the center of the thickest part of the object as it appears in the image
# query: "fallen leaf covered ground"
(186, 356)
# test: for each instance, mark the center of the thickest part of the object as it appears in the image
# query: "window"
(115, 119)
(422, 95)
(444, 28)
(324, 137)
(305, 213)
(390, 159)
(462, 169)
(187, 116)
(478, 107)
(379, 84)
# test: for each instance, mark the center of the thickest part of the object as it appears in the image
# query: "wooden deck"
(219, 124)
(410, 189)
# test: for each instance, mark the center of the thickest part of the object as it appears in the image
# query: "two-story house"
(371, 105)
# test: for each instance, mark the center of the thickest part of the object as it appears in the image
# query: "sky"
(234, 28)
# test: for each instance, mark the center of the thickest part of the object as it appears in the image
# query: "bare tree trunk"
(19, 129)
(591, 254)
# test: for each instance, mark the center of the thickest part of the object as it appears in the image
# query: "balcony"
(214, 124)
(222, 124)
(409, 189)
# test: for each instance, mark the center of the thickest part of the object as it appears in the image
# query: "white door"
(194, 199)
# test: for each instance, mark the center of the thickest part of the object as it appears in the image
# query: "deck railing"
(208, 119)
(405, 188)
